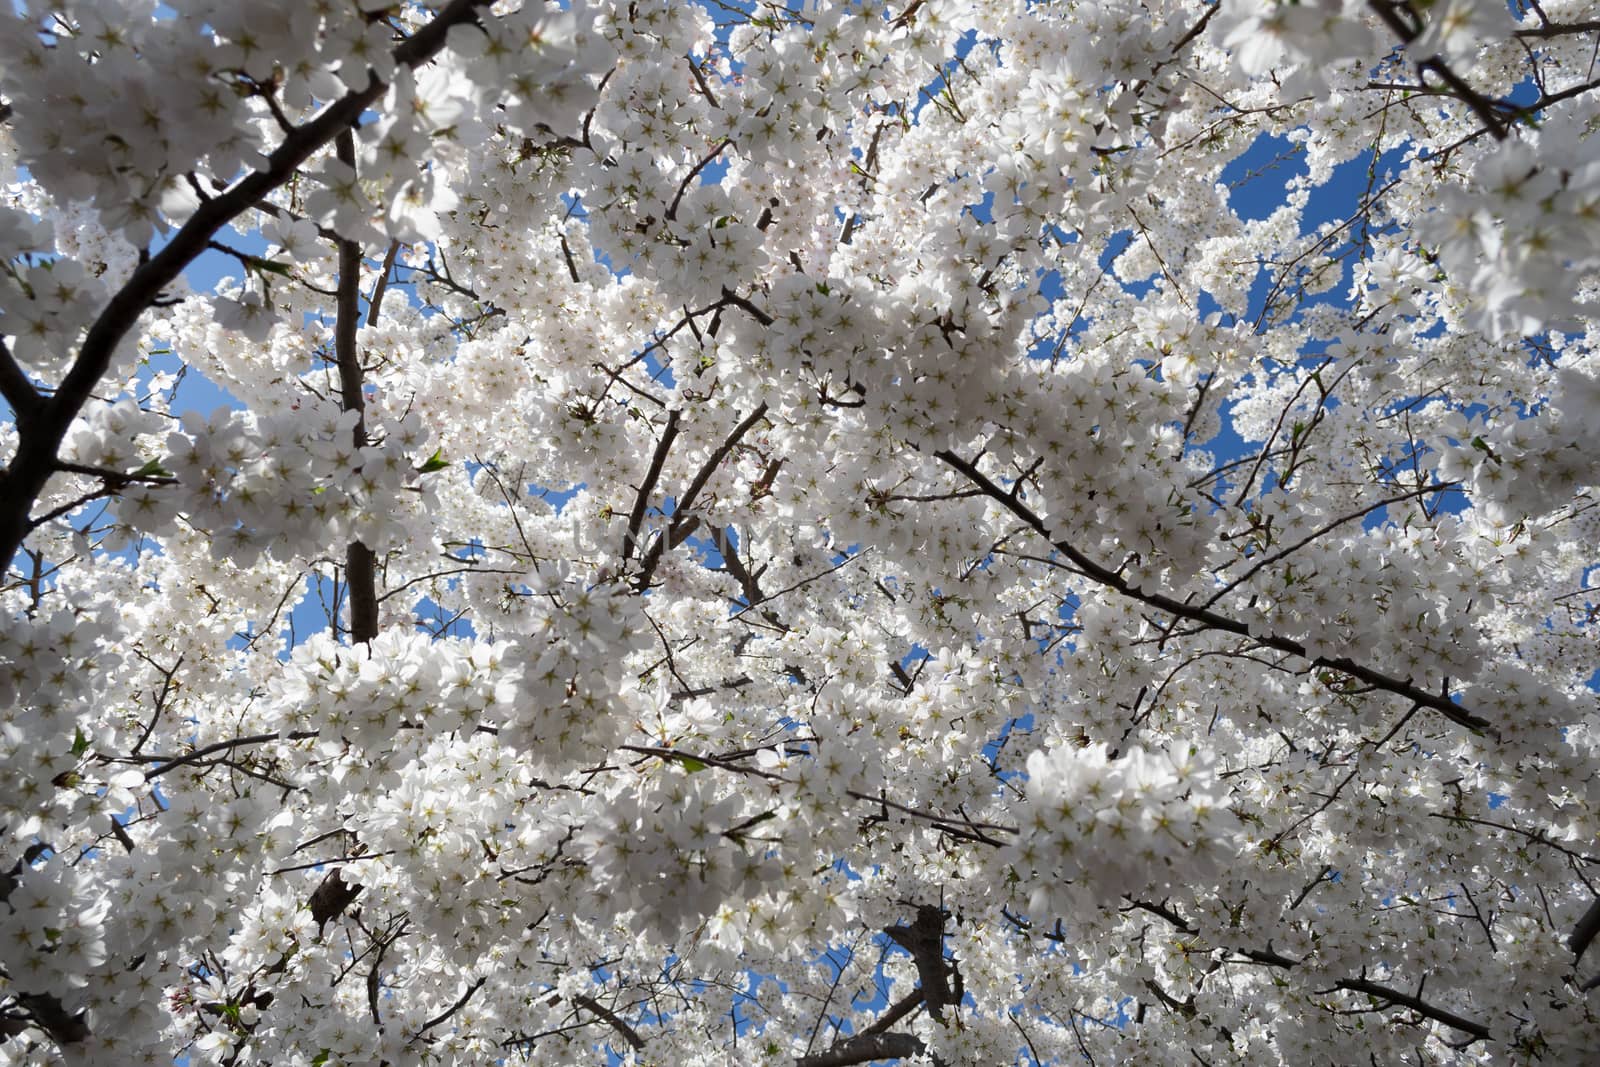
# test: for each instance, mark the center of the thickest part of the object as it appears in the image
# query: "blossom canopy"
(817, 533)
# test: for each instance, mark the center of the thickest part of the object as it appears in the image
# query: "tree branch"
(964, 828)
(658, 459)
(1483, 107)
(865, 1048)
(1584, 933)
(1416, 1004)
(41, 435)
(741, 574)
(924, 939)
(375, 304)
(680, 519)
(899, 1010)
(1559, 29)
(172, 763)
(360, 565)
(1354, 985)
(1213, 620)
(672, 209)
(612, 1019)
(48, 1013)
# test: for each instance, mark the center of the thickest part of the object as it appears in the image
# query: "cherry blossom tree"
(800, 533)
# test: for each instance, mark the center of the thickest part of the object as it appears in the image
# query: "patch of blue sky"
(996, 746)
(312, 612)
(1258, 178)
(1338, 212)
(916, 656)
(215, 264)
(431, 617)
(192, 391)
(558, 498)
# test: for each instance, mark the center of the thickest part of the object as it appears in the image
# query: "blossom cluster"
(1518, 469)
(284, 483)
(1114, 825)
(399, 681)
(1519, 232)
(43, 301)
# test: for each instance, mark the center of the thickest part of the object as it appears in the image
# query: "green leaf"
(80, 743)
(436, 462)
(692, 765)
(270, 266)
(153, 469)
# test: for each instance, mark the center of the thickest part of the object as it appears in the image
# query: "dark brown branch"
(70, 506)
(865, 1048)
(172, 763)
(375, 974)
(361, 568)
(840, 969)
(120, 832)
(360, 565)
(445, 1015)
(899, 1010)
(1416, 1004)
(735, 566)
(1482, 106)
(1560, 29)
(1584, 933)
(1354, 985)
(1325, 528)
(680, 519)
(42, 433)
(924, 939)
(611, 1019)
(658, 460)
(113, 475)
(1538, 837)
(683, 187)
(906, 17)
(1116, 582)
(746, 306)
(572, 266)
(700, 80)
(962, 828)
(1557, 97)
(48, 1013)
(382, 285)
(715, 459)
(1194, 31)
(115, 482)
